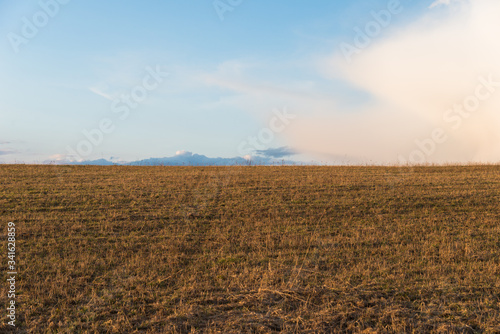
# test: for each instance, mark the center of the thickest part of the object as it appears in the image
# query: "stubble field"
(253, 249)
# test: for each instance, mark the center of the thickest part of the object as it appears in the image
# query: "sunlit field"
(254, 249)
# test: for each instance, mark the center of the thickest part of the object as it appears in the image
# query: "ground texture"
(253, 249)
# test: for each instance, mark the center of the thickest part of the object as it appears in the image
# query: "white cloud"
(183, 153)
(255, 89)
(440, 2)
(58, 157)
(408, 80)
(99, 92)
(414, 76)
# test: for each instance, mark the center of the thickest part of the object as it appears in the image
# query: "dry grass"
(254, 249)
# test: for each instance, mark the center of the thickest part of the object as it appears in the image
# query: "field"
(253, 249)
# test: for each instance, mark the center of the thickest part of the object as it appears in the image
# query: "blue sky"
(230, 68)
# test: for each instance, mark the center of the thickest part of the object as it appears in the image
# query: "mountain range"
(188, 159)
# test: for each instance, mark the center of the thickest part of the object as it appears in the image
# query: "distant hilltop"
(185, 159)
